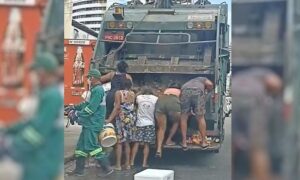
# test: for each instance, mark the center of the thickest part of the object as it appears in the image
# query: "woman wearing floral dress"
(124, 117)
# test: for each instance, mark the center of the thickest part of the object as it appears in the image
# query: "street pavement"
(190, 165)
(71, 137)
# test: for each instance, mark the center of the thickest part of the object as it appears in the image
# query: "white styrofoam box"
(155, 174)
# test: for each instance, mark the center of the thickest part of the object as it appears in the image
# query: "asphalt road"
(190, 165)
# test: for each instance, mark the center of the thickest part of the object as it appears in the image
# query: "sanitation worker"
(91, 115)
(37, 143)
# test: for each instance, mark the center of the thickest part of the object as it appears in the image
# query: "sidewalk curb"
(69, 158)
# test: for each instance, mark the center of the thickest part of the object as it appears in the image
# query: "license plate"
(114, 36)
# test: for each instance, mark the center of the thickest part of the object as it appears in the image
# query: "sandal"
(171, 144)
(204, 146)
(184, 148)
(158, 155)
(118, 168)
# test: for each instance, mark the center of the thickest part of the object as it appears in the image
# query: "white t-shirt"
(145, 112)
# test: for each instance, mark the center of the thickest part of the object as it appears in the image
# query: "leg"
(80, 157)
(199, 102)
(118, 156)
(103, 160)
(127, 155)
(161, 121)
(79, 167)
(176, 119)
(183, 125)
(133, 152)
(146, 154)
(202, 129)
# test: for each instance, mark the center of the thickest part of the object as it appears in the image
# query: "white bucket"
(108, 136)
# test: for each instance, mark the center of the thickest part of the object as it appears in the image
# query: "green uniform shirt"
(91, 116)
(92, 113)
(38, 143)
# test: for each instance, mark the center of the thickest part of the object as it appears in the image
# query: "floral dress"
(125, 121)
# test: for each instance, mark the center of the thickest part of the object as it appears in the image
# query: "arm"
(107, 77)
(136, 102)
(129, 77)
(80, 106)
(208, 83)
(116, 109)
(96, 98)
(15, 127)
(36, 132)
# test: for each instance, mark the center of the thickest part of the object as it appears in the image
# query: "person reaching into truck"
(257, 125)
(192, 99)
(167, 106)
(116, 79)
(145, 132)
(123, 116)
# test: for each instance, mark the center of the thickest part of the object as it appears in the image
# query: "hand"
(4, 146)
(68, 109)
(192, 113)
(73, 116)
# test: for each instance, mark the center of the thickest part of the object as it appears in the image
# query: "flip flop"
(158, 155)
(204, 147)
(171, 144)
(118, 168)
(184, 148)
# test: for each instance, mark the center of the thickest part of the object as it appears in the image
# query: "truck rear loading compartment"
(163, 45)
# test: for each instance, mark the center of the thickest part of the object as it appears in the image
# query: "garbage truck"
(170, 41)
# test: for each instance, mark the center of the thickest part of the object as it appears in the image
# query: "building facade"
(89, 13)
(68, 28)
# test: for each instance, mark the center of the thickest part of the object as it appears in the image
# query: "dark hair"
(126, 84)
(122, 67)
(147, 90)
(174, 85)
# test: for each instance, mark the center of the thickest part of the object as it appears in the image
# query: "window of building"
(96, 29)
(89, 9)
(92, 22)
(89, 2)
(88, 16)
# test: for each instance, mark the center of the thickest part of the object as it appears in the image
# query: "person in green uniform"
(91, 115)
(37, 144)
